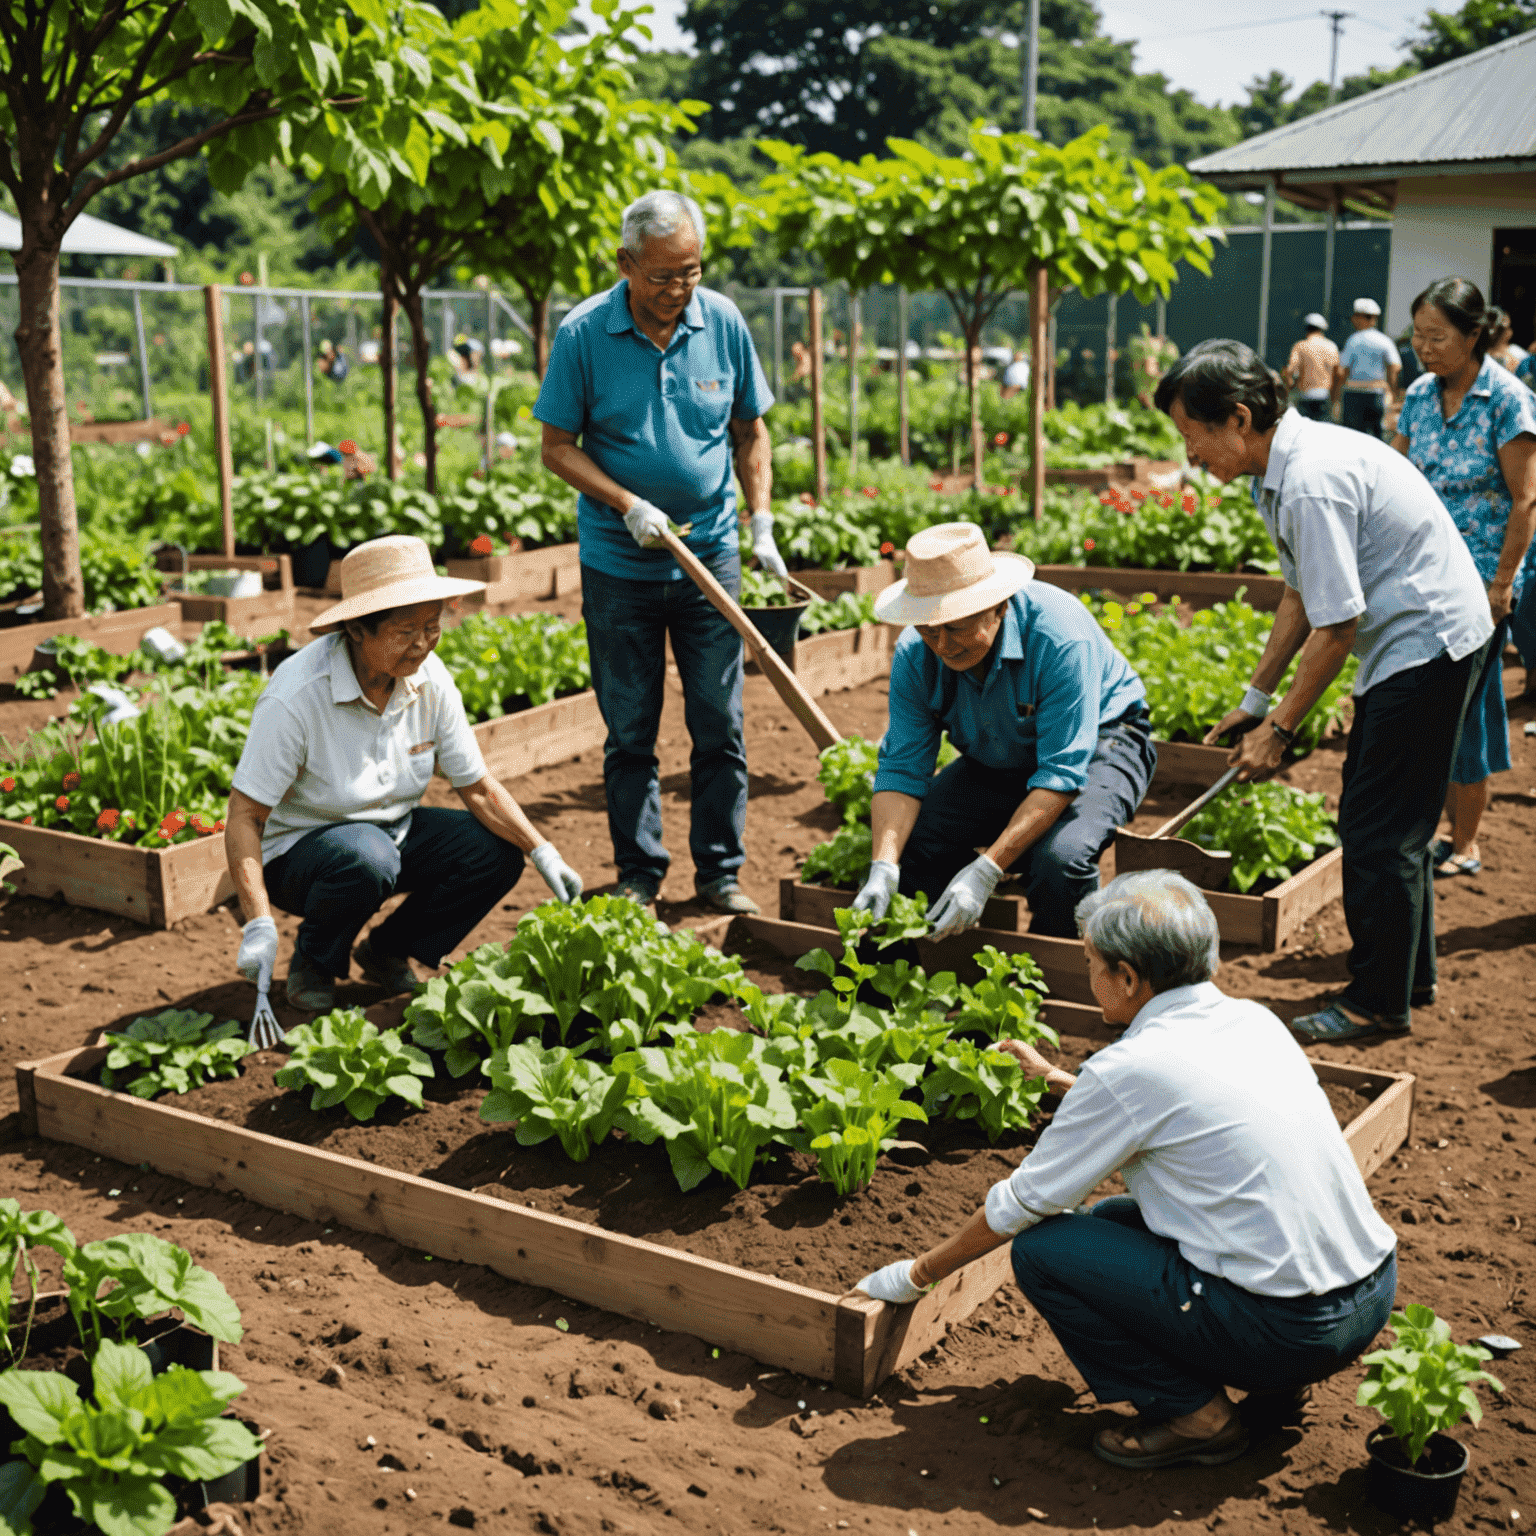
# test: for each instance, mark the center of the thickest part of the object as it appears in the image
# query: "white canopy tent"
(88, 236)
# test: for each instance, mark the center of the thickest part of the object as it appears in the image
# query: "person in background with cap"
(1366, 373)
(325, 819)
(1310, 369)
(1052, 727)
(659, 380)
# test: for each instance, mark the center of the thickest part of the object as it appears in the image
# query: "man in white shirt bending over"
(1248, 1253)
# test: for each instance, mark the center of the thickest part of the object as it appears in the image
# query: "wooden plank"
(844, 658)
(194, 878)
(1385, 1123)
(540, 737)
(1185, 762)
(144, 431)
(775, 1321)
(1304, 895)
(526, 576)
(862, 581)
(270, 609)
(816, 904)
(1200, 589)
(116, 632)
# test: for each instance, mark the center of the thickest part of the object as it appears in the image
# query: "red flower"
(935, 485)
(71, 781)
(346, 445)
(807, 498)
(108, 820)
(439, 420)
(1106, 498)
(1001, 440)
(1087, 543)
(246, 280)
(7, 785)
(887, 548)
(871, 491)
(173, 822)
(1136, 493)
(482, 545)
(62, 803)
(1008, 490)
(26, 821)
(1191, 501)
(218, 826)
(182, 428)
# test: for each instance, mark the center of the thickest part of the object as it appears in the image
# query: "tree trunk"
(973, 383)
(391, 377)
(421, 353)
(538, 323)
(42, 367)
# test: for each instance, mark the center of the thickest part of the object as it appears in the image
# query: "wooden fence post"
(901, 374)
(218, 388)
(1039, 345)
(818, 425)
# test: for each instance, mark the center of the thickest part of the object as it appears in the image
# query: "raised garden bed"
(513, 745)
(268, 610)
(1126, 472)
(846, 1339)
(844, 658)
(862, 580)
(1200, 589)
(554, 571)
(116, 632)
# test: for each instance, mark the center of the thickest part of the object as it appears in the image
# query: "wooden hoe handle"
(805, 709)
(1192, 810)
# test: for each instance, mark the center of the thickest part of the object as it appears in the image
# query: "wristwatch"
(1287, 737)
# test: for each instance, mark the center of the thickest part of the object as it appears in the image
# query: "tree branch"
(74, 162)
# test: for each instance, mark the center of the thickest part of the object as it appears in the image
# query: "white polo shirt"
(318, 752)
(1361, 534)
(1213, 1115)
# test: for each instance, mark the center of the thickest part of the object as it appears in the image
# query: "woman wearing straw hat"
(325, 819)
(1049, 718)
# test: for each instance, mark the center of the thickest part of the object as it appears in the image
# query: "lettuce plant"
(850, 1115)
(21, 1231)
(1005, 1003)
(714, 1100)
(499, 661)
(972, 1082)
(1423, 1385)
(479, 1008)
(1271, 831)
(113, 1453)
(175, 1051)
(554, 1092)
(349, 1061)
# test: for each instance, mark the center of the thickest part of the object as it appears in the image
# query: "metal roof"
(89, 236)
(1477, 112)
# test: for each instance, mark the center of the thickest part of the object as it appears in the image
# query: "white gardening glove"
(646, 523)
(875, 894)
(258, 952)
(558, 875)
(767, 552)
(893, 1283)
(960, 906)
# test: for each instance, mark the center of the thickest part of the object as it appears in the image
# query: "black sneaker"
(309, 989)
(636, 890)
(725, 895)
(391, 972)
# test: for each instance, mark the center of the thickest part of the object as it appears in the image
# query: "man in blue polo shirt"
(1049, 718)
(1367, 372)
(659, 380)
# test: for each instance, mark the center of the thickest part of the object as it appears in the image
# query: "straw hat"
(392, 572)
(951, 574)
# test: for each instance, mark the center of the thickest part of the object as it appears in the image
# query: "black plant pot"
(779, 626)
(312, 563)
(1425, 1491)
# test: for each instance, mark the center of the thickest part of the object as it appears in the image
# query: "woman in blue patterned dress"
(1522, 623)
(1470, 426)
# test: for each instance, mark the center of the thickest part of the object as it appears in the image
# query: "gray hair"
(659, 213)
(1157, 923)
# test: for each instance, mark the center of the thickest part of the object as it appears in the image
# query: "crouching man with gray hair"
(1248, 1253)
(659, 381)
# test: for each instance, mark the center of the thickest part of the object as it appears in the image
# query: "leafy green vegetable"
(477, 1009)
(847, 775)
(21, 1231)
(843, 861)
(974, 1082)
(1005, 1003)
(505, 662)
(112, 1454)
(349, 1061)
(1423, 1384)
(849, 1115)
(713, 1098)
(525, 504)
(554, 1092)
(761, 590)
(176, 1049)
(1270, 830)
(1195, 673)
(147, 1276)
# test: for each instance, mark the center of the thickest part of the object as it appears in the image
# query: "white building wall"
(1443, 226)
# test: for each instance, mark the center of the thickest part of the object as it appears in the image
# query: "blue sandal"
(1332, 1026)
(1459, 864)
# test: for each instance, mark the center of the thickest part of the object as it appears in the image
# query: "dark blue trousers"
(1364, 410)
(968, 805)
(337, 877)
(1144, 1326)
(628, 624)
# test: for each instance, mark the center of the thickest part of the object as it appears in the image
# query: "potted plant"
(1422, 1387)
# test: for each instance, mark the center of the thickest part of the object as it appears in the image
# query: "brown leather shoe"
(1159, 1446)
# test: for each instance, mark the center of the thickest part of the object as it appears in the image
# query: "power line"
(1236, 26)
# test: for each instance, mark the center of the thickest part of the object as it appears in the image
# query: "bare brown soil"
(495, 1418)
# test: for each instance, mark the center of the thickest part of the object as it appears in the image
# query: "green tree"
(980, 226)
(71, 73)
(1447, 35)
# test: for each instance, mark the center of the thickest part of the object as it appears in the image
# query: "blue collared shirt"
(1460, 457)
(657, 422)
(1054, 681)
(1368, 354)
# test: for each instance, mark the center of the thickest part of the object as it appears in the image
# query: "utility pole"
(1336, 20)
(1031, 41)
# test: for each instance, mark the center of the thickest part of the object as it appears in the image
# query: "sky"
(1215, 64)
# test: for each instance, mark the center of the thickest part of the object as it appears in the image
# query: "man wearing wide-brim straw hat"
(1052, 727)
(325, 819)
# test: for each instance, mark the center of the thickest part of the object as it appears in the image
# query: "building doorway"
(1514, 280)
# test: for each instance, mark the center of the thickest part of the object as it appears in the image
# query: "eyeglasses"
(690, 278)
